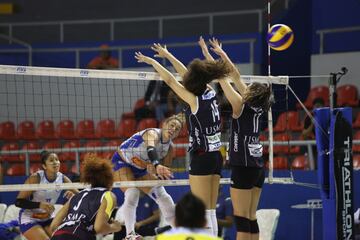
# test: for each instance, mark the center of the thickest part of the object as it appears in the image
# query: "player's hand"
(49, 208)
(163, 172)
(68, 194)
(142, 58)
(161, 51)
(216, 46)
(202, 45)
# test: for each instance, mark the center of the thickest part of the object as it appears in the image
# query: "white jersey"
(134, 149)
(50, 196)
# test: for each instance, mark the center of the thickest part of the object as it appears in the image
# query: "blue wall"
(329, 14)
(239, 53)
(292, 222)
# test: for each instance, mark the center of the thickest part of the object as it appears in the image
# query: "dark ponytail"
(202, 72)
(44, 156)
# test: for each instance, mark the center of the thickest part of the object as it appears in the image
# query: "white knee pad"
(165, 202)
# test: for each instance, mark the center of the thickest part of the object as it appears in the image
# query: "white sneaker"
(133, 236)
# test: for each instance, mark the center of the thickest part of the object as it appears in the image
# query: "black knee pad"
(242, 224)
(254, 226)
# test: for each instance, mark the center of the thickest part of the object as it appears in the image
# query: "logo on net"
(142, 75)
(84, 73)
(21, 69)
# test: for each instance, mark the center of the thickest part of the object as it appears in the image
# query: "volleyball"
(280, 37)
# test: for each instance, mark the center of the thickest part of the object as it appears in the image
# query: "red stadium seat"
(34, 167)
(105, 129)
(26, 130)
(112, 143)
(52, 144)
(264, 138)
(32, 156)
(356, 123)
(139, 103)
(10, 157)
(316, 92)
(288, 121)
(17, 169)
(282, 137)
(85, 129)
(280, 163)
(7, 131)
(356, 162)
(184, 131)
(300, 162)
(64, 156)
(45, 130)
(126, 128)
(65, 130)
(147, 123)
(180, 151)
(90, 145)
(128, 115)
(347, 95)
(356, 147)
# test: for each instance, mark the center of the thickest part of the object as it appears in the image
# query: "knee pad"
(158, 192)
(242, 224)
(132, 196)
(254, 226)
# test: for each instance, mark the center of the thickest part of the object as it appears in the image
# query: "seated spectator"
(160, 102)
(190, 220)
(104, 60)
(147, 218)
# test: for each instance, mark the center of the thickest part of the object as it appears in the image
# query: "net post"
(271, 147)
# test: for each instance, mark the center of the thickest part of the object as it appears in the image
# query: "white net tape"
(147, 183)
(115, 74)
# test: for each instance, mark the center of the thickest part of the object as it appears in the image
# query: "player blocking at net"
(138, 158)
(249, 106)
(203, 121)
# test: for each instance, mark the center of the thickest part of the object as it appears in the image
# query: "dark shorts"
(64, 236)
(247, 177)
(205, 163)
(73, 233)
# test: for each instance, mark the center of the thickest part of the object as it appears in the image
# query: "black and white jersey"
(82, 212)
(245, 148)
(204, 124)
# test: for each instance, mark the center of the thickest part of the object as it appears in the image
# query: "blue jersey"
(81, 215)
(245, 148)
(204, 124)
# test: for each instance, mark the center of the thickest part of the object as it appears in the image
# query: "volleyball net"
(73, 112)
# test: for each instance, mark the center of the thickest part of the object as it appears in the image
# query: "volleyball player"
(37, 207)
(88, 212)
(203, 120)
(134, 157)
(249, 106)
